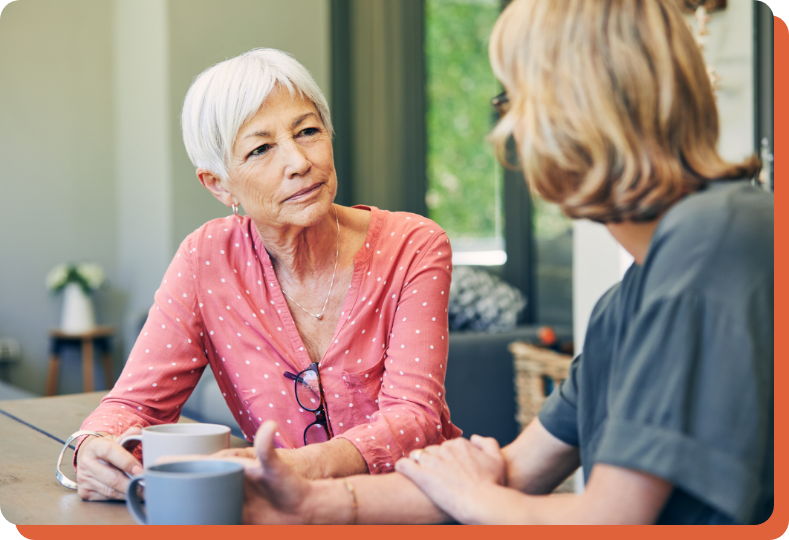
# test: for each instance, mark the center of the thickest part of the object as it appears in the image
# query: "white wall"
(596, 267)
(729, 49)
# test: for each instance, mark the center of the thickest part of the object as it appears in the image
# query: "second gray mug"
(204, 492)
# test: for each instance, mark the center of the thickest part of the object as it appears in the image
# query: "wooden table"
(33, 433)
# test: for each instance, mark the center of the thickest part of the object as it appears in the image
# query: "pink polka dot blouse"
(220, 304)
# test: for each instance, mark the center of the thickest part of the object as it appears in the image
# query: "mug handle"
(124, 441)
(134, 503)
(130, 438)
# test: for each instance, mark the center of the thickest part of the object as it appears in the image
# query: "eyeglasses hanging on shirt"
(309, 395)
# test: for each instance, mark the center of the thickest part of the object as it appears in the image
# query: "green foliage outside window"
(464, 180)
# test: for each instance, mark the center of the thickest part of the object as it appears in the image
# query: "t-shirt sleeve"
(559, 413)
(691, 401)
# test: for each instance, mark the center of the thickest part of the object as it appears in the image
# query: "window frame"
(763, 65)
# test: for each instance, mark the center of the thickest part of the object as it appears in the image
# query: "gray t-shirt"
(676, 374)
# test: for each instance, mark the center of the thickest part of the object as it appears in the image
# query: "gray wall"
(57, 196)
(93, 167)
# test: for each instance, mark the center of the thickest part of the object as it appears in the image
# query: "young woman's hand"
(457, 474)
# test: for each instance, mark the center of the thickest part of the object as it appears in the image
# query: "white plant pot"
(78, 314)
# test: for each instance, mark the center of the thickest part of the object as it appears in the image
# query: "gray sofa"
(480, 387)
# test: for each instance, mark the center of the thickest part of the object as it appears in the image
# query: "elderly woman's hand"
(273, 491)
(307, 462)
(248, 452)
(103, 465)
(456, 474)
(298, 461)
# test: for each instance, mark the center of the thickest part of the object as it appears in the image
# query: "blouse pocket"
(363, 387)
(361, 379)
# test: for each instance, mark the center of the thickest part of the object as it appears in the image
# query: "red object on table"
(547, 336)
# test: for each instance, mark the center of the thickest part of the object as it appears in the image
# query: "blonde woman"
(668, 409)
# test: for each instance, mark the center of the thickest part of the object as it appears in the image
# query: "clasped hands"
(455, 476)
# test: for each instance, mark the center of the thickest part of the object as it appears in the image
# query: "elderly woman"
(352, 301)
(669, 407)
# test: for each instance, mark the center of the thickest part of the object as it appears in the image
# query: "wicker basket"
(536, 370)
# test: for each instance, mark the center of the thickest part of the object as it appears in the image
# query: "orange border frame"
(772, 528)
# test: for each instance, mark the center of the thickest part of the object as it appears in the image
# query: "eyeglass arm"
(293, 377)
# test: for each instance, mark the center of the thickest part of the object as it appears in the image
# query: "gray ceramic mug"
(205, 492)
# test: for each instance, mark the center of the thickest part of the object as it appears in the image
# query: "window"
(466, 185)
(464, 181)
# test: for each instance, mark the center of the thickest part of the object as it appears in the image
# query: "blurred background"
(92, 166)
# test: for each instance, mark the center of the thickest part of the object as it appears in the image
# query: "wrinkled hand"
(273, 491)
(245, 453)
(101, 464)
(456, 474)
(300, 460)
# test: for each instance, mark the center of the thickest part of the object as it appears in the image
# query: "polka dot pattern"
(393, 317)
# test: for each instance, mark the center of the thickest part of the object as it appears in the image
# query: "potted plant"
(76, 281)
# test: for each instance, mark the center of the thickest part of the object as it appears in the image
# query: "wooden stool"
(100, 335)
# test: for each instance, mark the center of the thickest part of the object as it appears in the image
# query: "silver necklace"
(319, 316)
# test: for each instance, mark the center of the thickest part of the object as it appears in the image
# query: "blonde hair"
(611, 105)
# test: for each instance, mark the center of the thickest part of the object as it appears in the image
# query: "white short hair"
(225, 96)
